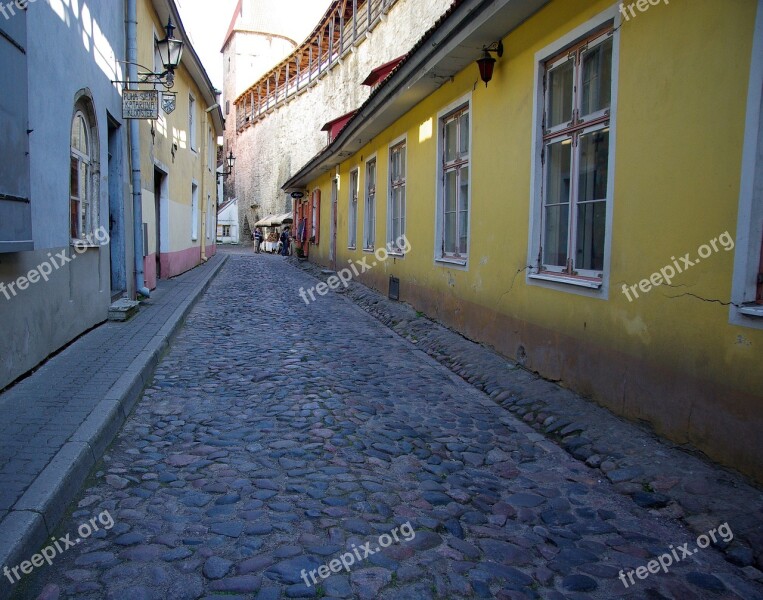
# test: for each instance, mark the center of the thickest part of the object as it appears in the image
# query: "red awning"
(335, 126)
(379, 74)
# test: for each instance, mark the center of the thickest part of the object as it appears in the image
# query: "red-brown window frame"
(574, 130)
(315, 216)
(369, 228)
(353, 209)
(455, 165)
(394, 186)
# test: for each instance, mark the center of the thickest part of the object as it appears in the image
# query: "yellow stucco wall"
(188, 165)
(675, 362)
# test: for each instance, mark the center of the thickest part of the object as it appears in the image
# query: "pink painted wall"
(149, 271)
(175, 263)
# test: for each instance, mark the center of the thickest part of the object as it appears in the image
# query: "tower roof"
(291, 20)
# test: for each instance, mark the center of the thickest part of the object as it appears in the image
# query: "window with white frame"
(352, 218)
(574, 191)
(453, 212)
(369, 228)
(194, 211)
(314, 216)
(83, 202)
(192, 122)
(396, 206)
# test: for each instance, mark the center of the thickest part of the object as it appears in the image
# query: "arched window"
(83, 197)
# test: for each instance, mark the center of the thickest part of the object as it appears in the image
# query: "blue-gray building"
(65, 214)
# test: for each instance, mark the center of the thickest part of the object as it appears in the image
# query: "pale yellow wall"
(187, 165)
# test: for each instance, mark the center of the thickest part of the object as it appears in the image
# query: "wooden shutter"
(308, 212)
(15, 207)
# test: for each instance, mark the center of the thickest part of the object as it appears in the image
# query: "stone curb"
(666, 479)
(36, 514)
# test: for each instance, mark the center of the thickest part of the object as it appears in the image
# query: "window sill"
(451, 261)
(351, 248)
(396, 253)
(568, 280)
(369, 250)
(83, 244)
(755, 312)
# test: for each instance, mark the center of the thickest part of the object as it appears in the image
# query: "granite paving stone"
(290, 451)
(689, 487)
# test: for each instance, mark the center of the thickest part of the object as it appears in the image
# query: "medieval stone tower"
(260, 35)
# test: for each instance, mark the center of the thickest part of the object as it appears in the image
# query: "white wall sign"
(140, 104)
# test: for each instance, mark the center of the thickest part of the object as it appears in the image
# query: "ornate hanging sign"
(169, 102)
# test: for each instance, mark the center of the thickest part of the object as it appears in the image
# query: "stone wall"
(271, 150)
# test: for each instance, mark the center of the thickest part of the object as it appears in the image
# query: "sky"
(206, 22)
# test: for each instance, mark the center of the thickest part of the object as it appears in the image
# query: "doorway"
(160, 191)
(116, 212)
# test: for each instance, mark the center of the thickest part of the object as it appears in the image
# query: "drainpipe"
(205, 195)
(134, 135)
(204, 257)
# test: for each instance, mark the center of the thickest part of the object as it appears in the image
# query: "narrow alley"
(279, 439)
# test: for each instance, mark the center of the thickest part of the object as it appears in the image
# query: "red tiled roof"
(236, 14)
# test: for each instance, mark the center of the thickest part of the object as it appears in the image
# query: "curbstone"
(24, 529)
(100, 427)
(29, 531)
(59, 482)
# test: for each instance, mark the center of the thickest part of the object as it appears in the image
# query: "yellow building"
(594, 212)
(178, 154)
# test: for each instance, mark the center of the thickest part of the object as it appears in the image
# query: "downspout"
(204, 257)
(205, 179)
(134, 136)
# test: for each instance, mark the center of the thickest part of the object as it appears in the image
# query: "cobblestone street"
(278, 437)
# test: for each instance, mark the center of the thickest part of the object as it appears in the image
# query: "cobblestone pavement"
(275, 436)
(35, 422)
(671, 480)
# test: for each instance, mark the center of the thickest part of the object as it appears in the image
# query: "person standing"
(257, 239)
(285, 241)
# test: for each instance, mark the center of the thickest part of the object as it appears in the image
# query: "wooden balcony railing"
(345, 25)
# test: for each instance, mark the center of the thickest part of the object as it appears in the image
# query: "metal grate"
(394, 288)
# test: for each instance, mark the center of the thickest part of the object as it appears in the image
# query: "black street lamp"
(231, 160)
(170, 51)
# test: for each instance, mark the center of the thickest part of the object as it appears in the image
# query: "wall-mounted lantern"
(171, 52)
(486, 64)
(231, 161)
